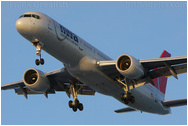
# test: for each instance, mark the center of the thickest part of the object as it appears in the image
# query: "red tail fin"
(160, 82)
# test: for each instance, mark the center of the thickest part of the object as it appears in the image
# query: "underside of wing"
(60, 80)
(13, 85)
(179, 69)
(161, 62)
(165, 67)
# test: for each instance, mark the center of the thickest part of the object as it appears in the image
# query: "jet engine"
(129, 67)
(36, 80)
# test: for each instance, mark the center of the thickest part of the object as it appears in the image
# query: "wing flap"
(21, 91)
(159, 62)
(86, 93)
(180, 69)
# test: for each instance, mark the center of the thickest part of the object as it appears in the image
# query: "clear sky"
(141, 29)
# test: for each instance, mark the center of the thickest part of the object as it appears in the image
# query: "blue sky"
(141, 29)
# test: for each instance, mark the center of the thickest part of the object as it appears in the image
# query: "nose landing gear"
(39, 61)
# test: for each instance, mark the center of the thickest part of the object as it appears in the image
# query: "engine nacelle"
(36, 80)
(129, 67)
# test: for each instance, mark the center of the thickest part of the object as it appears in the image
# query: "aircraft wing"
(168, 66)
(159, 62)
(59, 81)
(13, 85)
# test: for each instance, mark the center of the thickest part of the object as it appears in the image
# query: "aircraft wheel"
(126, 101)
(77, 102)
(74, 108)
(37, 62)
(122, 96)
(42, 61)
(132, 99)
(80, 107)
(70, 104)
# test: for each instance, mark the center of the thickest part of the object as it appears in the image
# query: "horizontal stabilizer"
(123, 110)
(175, 103)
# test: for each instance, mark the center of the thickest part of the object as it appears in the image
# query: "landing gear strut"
(38, 53)
(76, 104)
(127, 97)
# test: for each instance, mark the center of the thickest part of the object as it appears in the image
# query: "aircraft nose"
(28, 27)
(21, 26)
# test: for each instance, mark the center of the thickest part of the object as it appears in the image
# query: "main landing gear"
(127, 97)
(38, 53)
(75, 104)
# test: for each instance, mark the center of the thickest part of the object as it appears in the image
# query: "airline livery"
(138, 83)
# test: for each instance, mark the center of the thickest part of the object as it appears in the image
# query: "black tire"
(122, 96)
(70, 104)
(37, 62)
(132, 100)
(128, 94)
(74, 108)
(77, 103)
(80, 107)
(126, 101)
(42, 61)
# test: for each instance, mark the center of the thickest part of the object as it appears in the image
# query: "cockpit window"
(35, 16)
(27, 15)
(21, 16)
(30, 15)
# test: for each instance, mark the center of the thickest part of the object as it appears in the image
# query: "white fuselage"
(80, 59)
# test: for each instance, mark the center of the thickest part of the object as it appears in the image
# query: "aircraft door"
(81, 46)
(50, 25)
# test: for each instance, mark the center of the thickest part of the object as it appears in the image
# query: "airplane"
(138, 83)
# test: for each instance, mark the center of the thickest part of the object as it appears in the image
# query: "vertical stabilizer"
(160, 82)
